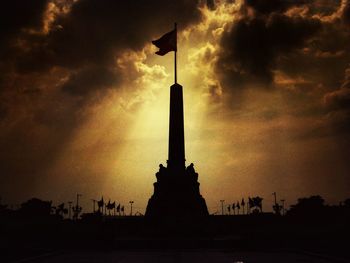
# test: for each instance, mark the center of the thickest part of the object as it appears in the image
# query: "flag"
(166, 43)
(251, 202)
(100, 203)
(110, 205)
(257, 201)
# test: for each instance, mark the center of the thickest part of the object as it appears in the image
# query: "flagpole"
(175, 55)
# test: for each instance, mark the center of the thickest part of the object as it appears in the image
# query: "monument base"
(176, 195)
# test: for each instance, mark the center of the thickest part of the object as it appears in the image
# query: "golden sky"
(85, 101)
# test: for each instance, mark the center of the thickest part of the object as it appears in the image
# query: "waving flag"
(166, 43)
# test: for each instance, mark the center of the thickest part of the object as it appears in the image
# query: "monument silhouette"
(176, 192)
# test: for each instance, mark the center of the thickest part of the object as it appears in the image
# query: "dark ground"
(178, 255)
(254, 238)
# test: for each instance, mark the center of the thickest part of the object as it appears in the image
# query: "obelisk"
(176, 192)
(176, 151)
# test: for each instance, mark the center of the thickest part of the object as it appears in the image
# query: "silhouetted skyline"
(250, 163)
(84, 99)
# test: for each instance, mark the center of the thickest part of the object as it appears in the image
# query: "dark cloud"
(86, 41)
(250, 48)
(314, 7)
(211, 4)
(300, 48)
(310, 43)
(49, 77)
(339, 99)
(93, 34)
(267, 7)
(323, 7)
(346, 13)
(322, 60)
(339, 123)
(94, 31)
(16, 15)
(90, 79)
(335, 122)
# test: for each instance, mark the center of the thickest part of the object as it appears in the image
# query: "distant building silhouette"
(176, 192)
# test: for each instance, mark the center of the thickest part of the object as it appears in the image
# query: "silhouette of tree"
(76, 211)
(250, 204)
(255, 203)
(100, 205)
(243, 205)
(315, 201)
(234, 208)
(3, 207)
(36, 208)
(110, 206)
(118, 209)
(311, 206)
(277, 208)
(60, 210)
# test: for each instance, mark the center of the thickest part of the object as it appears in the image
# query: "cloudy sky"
(84, 99)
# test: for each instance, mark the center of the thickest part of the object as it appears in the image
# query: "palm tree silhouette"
(243, 205)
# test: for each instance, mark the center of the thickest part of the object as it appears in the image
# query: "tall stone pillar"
(176, 153)
(176, 192)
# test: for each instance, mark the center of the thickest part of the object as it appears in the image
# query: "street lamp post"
(70, 210)
(131, 202)
(94, 205)
(283, 200)
(222, 206)
(78, 195)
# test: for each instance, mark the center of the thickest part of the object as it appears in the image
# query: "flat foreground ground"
(179, 255)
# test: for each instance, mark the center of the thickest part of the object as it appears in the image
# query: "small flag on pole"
(166, 43)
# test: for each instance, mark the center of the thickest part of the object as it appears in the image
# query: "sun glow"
(236, 139)
(126, 138)
(145, 142)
